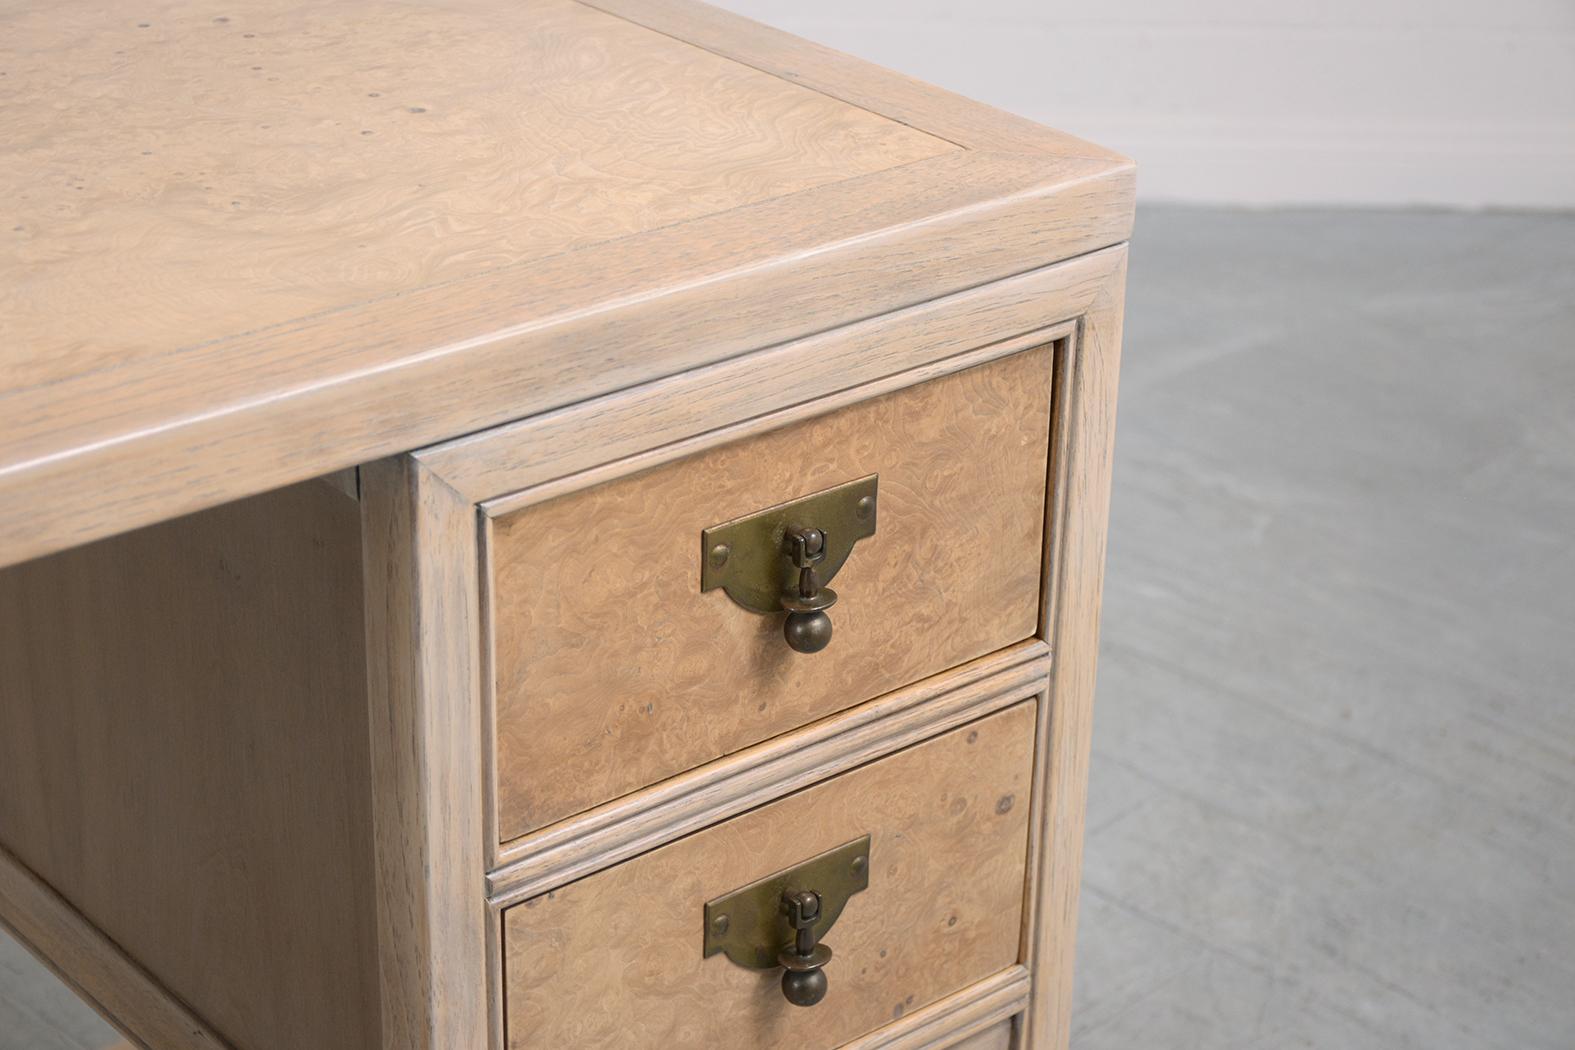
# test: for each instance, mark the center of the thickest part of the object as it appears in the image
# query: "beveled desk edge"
(112, 450)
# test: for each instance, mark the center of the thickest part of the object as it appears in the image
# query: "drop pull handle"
(807, 627)
(804, 961)
(781, 559)
(779, 921)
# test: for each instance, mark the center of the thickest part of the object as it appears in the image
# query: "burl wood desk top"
(246, 244)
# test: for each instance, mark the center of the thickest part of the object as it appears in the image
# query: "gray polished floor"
(1333, 798)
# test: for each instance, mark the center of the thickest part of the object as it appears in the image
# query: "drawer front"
(615, 959)
(613, 670)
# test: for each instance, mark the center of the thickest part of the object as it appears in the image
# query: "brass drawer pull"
(780, 920)
(804, 961)
(780, 559)
(807, 627)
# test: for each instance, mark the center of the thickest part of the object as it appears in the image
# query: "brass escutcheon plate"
(745, 556)
(748, 923)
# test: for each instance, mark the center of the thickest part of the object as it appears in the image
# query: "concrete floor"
(1333, 787)
(37, 1012)
(1333, 797)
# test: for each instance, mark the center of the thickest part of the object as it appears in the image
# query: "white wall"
(1451, 102)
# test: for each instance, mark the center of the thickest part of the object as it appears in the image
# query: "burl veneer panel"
(614, 671)
(614, 960)
(178, 173)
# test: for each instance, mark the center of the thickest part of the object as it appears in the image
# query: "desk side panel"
(184, 759)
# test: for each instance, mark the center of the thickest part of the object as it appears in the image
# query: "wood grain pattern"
(430, 927)
(438, 143)
(917, 934)
(980, 1011)
(701, 408)
(666, 812)
(507, 466)
(94, 966)
(183, 758)
(675, 807)
(347, 481)
(613, 670)
(997, 1037)
(422, 643)
(475, 335)
(851, 79)
(1084, 453)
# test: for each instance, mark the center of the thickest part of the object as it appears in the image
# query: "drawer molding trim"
(955, 1018)
(557, 483)
(642, 426)
(603, 961)
(646, 819)
(612, 670)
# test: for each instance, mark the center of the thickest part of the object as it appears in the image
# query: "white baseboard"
(1464, 172)
(1451, 103)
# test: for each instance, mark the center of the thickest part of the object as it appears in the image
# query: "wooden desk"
(376, 380)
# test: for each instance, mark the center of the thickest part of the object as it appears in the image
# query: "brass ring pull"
(803, 961)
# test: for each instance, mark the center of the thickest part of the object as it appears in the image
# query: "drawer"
(613, 669)
(615, 959)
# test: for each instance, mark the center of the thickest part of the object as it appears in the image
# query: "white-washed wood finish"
(184, 759)
(1084, 447)
(419, 543)
(102, 974)
(683, 804)
(177, 422)
(656, 422)
(613, 961)
(998, 1036)
(613, 669)
(984, 1014)
(427, 151)
(1088, 286)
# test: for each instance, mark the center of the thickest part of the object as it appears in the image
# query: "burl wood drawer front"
(613, 670)
(615, 960)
